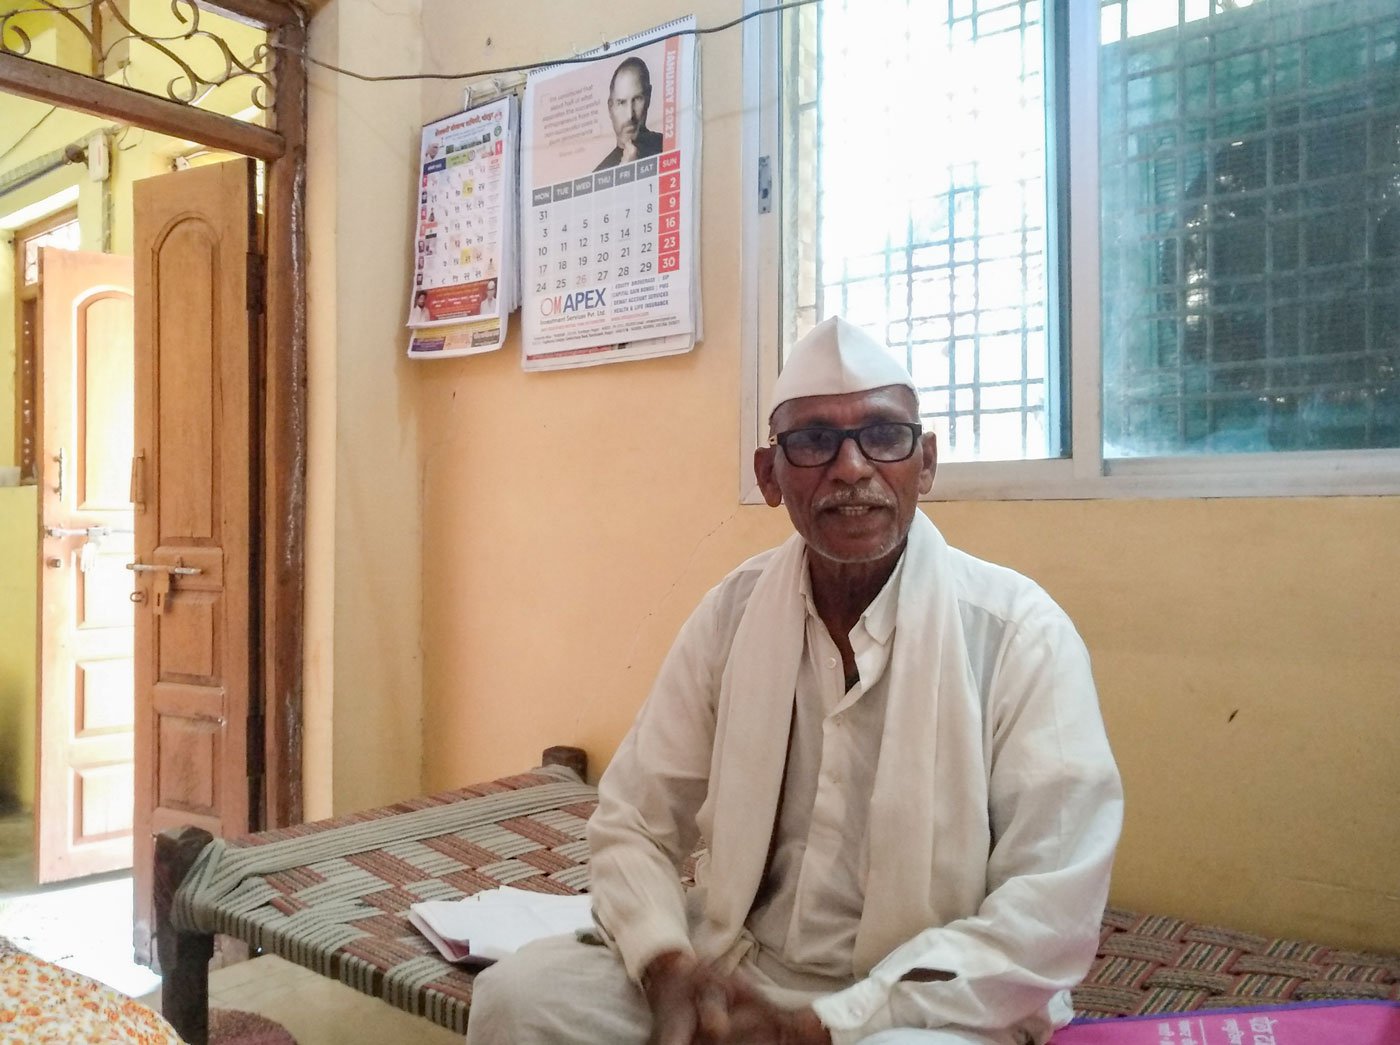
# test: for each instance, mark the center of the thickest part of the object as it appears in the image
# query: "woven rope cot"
(1149, 964)
(333, 896)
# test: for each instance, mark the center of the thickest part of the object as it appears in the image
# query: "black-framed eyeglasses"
(883, 441)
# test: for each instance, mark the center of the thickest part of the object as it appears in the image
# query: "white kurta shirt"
(814, 890)
(1023, 911)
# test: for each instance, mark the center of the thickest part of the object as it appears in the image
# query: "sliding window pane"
(1250, 177)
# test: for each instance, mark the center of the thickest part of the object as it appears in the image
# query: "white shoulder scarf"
(928, 820)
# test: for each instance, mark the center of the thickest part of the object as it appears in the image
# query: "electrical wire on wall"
(576, 60)
(33, 127)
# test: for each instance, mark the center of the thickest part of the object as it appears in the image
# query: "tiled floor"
(315, 1010)
(84, 926)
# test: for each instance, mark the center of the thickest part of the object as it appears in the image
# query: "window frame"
(1072, 80)
(26, 299)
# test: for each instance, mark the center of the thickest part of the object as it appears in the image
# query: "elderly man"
(893, 751)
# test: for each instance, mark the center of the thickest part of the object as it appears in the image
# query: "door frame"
(280, 555)
(27, 352)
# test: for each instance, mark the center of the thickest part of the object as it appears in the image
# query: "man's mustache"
(853, 499)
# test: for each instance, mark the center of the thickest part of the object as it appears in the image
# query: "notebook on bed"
(1315, 1023)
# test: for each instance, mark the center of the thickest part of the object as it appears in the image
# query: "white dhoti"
(563, 992)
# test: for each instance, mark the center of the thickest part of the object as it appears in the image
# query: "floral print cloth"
(41, 1003)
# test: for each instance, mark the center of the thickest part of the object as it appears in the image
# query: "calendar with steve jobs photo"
(610, 194)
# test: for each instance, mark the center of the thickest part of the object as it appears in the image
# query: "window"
(59, 230)
(926, 229)
(1137, 247)
(64, 235)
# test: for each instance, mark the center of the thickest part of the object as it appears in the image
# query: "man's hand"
(690, 1005)
(751, 1019)
(672, 982)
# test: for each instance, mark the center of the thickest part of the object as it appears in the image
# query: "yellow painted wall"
(19, 578)
(1246, 655)
(571, 521)
(363, 704)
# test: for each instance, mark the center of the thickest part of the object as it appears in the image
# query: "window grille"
(913, 193)
(66, 236)
(1250, 180)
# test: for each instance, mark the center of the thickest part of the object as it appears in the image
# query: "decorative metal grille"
(1250, 171)
(913, 195)
(191, 48)
(65, 236)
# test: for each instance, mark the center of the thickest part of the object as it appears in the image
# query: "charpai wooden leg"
(184, 957)
(574, 758)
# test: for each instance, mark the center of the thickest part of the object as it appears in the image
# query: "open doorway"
(69, 708)
(218, 296)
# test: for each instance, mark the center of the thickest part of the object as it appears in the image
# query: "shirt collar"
(879, 617)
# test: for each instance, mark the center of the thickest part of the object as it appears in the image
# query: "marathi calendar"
(464, 282)
(610, 162)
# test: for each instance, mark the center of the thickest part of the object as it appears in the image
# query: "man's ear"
(763, 460)
(928, 446)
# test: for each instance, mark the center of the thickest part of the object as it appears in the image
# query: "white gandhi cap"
(835, 358)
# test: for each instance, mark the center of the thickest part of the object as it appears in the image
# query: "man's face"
(851, 510)
(627, 105)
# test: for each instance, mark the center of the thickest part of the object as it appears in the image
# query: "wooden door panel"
(106, 429)
(189, 646)
(104, 588)
(105, 692)
(86, 725)
(186, 372)
(188, 744)
(103, 802)
(189, 636)
(196, 364)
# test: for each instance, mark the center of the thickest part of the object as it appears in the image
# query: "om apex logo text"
(578, 301)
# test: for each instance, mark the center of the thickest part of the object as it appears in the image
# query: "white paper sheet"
(498, 922)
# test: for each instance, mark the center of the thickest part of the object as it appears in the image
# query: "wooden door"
(194, 481)
(85, 787)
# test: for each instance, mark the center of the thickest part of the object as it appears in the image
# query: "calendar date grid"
(607, 227)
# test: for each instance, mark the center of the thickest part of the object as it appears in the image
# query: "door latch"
(87, 554)
(164, 576)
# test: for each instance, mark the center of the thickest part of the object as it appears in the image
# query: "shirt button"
(831, 662)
